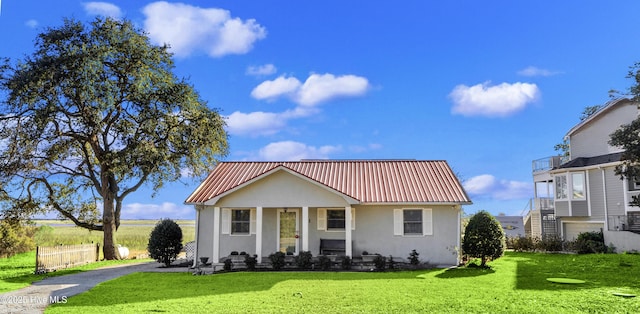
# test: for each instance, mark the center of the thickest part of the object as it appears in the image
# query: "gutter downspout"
(459, 240)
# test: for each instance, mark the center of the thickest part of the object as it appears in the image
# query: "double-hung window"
(571, 186)
(412, 222)
(240, 221)
(577, 186)
(561, 187)
(335, 219)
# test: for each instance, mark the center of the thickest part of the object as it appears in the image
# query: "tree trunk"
(109, 219)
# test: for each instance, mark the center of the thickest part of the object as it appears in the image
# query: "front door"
(288, 231)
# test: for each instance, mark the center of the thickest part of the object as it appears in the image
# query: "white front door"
(288, 231)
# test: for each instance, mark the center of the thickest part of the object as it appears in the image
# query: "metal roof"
(367, 181)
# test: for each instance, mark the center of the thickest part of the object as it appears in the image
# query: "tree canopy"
(92, 115)
(483, 237)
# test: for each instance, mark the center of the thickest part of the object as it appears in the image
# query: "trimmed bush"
(392, 263)
(550, 243)
(522, 244)
(483, 238)
(380, 262)
(251, 261)
(590, 242)
(228, 264)
(277, 260)
(345, 262)
(413, 258)
(304, 260)
(324, 262)
(165, 241)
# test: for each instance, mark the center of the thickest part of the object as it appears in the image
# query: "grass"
(515, 283)
(17, 271)
(133, 234)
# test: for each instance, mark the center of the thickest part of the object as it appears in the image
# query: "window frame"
(234, 221)
(405, 221)
(344, 217)
(583, 187)
(561, 190)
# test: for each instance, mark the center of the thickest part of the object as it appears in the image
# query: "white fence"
(64, 256)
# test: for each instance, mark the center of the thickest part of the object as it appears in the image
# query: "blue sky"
(488, 86)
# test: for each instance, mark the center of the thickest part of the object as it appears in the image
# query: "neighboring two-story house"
(582, 192)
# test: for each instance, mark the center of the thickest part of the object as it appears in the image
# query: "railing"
(548, 163)
(64, 256)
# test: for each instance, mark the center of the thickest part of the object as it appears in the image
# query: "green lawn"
(17, 271)
(516, 283)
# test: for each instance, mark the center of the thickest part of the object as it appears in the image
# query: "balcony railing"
(548, 163)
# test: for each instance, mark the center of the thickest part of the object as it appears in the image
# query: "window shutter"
(398, 223)
(353, 218)
(322, 219)
(252, 221)
(225, 228)
(427, 222)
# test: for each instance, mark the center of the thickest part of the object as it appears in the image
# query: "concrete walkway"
(35, 298)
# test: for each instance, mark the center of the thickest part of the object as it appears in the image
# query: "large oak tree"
(91, 116)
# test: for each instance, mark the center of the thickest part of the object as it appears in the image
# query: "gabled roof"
(367, 181)
(605, 108)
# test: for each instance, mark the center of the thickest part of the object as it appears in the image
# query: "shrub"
(590, 242)
(380, 262)
(324, 262)
(345, 262)
(277, 260)
(522, 244)
(228, 264)
(413, 257)
(550, 243)
(15, 237)
(234, 253)
(251, 261)
(304, 260)
(165, 241)
(392, 263)
(483, 237)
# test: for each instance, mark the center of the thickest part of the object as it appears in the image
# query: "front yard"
(516, 283)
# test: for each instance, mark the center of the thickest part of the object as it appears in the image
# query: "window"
(577, 186)
(335, 219)
(240, 221)
(412, 222)
(561, 187)
(412, 219)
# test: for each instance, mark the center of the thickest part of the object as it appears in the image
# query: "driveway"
(35, 298)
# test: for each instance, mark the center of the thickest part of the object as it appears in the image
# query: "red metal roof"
(368, 181)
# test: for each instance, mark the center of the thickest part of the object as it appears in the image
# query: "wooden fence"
(64, 256)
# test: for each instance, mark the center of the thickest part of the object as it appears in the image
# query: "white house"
(388, 207)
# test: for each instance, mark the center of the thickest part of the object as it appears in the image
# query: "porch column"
(195, 253)
(305, 228)
(259, 232)
(216, 235)
(347, 232)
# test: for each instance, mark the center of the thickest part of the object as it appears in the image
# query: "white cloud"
(534, 71)
(262, 70)
(294, 151)
(255, 123)
(316, 89)
(492, 101)
(275, 88)
(31, 23)
(189, 29)
(102, 8)
(157, 211)
(489, 186)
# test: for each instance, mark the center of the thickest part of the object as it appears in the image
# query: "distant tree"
(165, 241)
(483, 238)
(92, 115)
